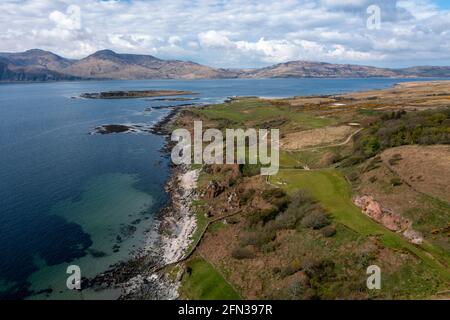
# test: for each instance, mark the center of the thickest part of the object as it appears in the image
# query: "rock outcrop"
(392, 221)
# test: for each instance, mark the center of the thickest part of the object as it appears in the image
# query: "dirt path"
(197, 243)
(334, 145)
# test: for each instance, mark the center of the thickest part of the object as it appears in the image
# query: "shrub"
(250, 170)
(285, 221)
(373, 179)
(336, 157)
(396, 182)
(296, 290)
(276, 270)
(268, 247)
(233, 220)
(273, 193)
(328, 231)
(353, 176)
(263, 216)
(315, 220)
(247, 195)
(395, 159)
(242, 253)
(373, 164)
(355, 159)
(258, 238)
(291, 268)
(281, 203)
(318, 269)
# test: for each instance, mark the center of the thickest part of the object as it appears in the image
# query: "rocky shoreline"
(134, 94)
(140, 277)
(160, 128)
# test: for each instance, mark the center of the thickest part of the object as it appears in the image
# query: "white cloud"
(71, 20)
(214, 39)
(232, 33)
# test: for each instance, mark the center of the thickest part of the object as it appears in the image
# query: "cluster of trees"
(286, 213)
(401, 128)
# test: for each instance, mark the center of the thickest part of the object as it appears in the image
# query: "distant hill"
(306, 69)
(427, 71)
(39, 65)
(107, 64)
(34, 65)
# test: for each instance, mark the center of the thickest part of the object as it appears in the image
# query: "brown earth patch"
(425, 168)
(428, 217)
(315, 137)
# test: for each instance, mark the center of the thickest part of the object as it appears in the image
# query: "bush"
(315, 220)
(328, 231)
(268, 247)
(300, 206)
(395, 159)
(277, 197)
(242, 253)
(263, 216)
(291, 268)
(296, 290)
(258, 238)
(233, 220)
(396, 182)
(250, 170)
(276, 270)
(273, 193)
(247, 196)
(281, 203)
(353, 176)
(373, 164)
(318, 269)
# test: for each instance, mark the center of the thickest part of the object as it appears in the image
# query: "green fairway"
(331, 189)
(299, 159)
(205, 283)
(257, 111)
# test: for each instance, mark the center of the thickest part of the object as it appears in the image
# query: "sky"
(235, 33)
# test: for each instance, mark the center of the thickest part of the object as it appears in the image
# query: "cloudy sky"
(235, 33)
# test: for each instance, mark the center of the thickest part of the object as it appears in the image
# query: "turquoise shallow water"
(67, 197)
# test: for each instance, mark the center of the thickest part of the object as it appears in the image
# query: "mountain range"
(40, 65)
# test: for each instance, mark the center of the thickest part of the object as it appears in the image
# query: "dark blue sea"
(68, 197)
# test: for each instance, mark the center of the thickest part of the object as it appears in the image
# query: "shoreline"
(166, 242)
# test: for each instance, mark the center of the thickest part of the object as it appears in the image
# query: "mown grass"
(203, 282)
(330, 188)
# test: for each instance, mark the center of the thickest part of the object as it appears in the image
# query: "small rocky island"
(122, 128)
(134, 94)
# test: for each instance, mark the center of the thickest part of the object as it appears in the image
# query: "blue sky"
(444, 4)
(234, 33)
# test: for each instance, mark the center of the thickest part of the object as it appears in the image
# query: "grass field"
(205, 283)
(331, 189)
(256, 112)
